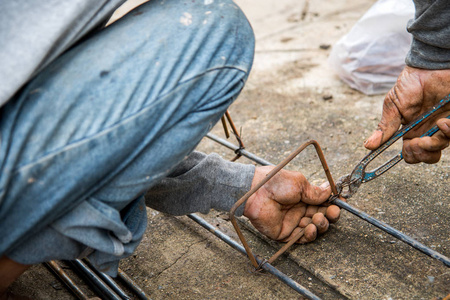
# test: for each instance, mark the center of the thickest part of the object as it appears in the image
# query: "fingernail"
(417, 152)
(324, 185)
(376, 135)
(407, 151)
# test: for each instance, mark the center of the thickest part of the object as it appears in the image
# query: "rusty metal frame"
(270, 175)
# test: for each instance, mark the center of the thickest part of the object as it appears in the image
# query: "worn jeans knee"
(114, 114)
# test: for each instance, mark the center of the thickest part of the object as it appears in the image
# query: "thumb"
(315, 195)
(391, 120)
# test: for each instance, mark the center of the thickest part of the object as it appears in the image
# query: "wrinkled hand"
(415, 92)
(287, 202)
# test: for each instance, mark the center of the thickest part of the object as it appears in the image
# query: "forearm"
(430, 48)
(199, 183)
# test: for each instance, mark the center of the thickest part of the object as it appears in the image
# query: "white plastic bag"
(371, 56)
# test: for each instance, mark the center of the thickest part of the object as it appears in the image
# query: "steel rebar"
(265, 265)
(59, 272)
(94, 281)
(243, 152)
(392, 231)
(108, 280)
(132, 285)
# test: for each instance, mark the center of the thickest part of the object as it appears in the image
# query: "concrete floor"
(281, 107)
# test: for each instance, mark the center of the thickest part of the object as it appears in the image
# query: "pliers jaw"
(349, 184)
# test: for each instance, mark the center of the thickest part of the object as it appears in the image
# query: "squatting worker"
(92, 119)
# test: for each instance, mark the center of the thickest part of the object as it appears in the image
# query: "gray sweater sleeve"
(199, 183)
(34, 32)
(430, 28)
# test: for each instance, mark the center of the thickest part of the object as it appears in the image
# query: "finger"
(444, 126)
(305, 221)
(315, 195)
(389, 124)
(311, 210)
(293, 234)
(325, 204)
(321, 222)
(291, 220)
(413, 153)
(333, 213)
(440, 140)
(323, 209)
(433, 143)
(309, 235)
(407, 153)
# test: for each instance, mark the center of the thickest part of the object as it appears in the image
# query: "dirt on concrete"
(292, 96)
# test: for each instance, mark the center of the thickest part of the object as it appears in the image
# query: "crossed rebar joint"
(271, 174)
(227, 117)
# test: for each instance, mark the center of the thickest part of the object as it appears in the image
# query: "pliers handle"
(348, 185)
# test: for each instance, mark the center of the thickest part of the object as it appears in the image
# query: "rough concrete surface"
(282, 107)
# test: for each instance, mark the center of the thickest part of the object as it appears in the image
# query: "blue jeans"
(105, 121)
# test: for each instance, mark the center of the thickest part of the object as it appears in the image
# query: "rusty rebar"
(283, 249)
(235, 148)
(235, 131)
(225, 127)
(59, 272)
(227, 117)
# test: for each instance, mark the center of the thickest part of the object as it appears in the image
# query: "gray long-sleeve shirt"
(33, 33)
(430, 29)
(200, 183)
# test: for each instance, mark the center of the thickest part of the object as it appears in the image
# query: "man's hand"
(415, 92)
(287, 202)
